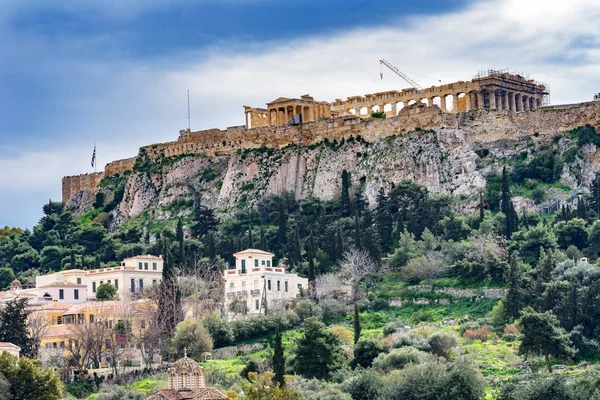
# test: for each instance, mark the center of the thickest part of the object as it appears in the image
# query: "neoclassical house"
(186, 381)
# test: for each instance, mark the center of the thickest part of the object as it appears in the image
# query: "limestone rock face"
(443, 161)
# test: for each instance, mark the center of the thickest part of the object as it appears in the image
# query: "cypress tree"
(180, 240)
(72, 260)
(170, 312)
(212, 248)
(506, 205)
(346, 192)
(13, 326)
(512, 301)
(296, 252)
(595, 192)
(384, 221)
(339, 244)
(357, 233)
(97, 264)
(278, 360)
(359, 202)
(356, 324)
(263, 239)
(250, 238)
(481, 208)
(581, 209)
(310, 253)
(282, 229)
(543, 272)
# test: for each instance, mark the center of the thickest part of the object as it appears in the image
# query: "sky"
(116, 72)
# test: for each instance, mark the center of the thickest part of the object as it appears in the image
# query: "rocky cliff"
(378, 154)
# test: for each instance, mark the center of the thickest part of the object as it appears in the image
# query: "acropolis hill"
(491, 107)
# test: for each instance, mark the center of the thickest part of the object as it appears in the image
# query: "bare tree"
(487, 246)
(202, 287)
(429, 267)
(355, 265)
(145, 330)
(38, 324)
(86, 343)
(327, 285)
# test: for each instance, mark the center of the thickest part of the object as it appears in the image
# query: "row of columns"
(281, 115)
(494, 100)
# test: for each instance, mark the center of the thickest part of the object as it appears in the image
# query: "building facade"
(256, 284)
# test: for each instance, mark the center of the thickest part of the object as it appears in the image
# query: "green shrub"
(80, 389)
(379, 304)
(364, 386)
(333, 310)
(365, 351)
(399, 358)
(538, 195)
(307, 309)
(393, 326)
(442, 344)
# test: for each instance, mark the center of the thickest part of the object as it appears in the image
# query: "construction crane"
(402, 74)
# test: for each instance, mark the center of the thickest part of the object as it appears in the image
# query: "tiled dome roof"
(185, 363)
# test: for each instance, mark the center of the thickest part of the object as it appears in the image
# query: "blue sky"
(116, 71)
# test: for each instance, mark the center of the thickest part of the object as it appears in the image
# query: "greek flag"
(94, 156)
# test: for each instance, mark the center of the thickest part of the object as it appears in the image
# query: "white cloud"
(128, 103)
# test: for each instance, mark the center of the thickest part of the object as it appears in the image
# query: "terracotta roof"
(9, 345)
(59, 331)
(52, 306)
(253, 251)
(145, 257)
(198, 394)
(61, 284)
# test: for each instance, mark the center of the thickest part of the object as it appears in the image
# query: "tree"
(572, 232)
(204, 221)
(543, 336)
(13, 325)
(507, 206)
(262, 387)
(170, 311)
(250, 238)
(356, 324)
(512, 302)
(326, 285)
(346, 192)
(37, 324)
(365, 351)
(28, 381)
(318, 353)
(544, 272)
(263, 240)
(191, 334)
(384, 221)
(6, 277)
(407, 249)
(429, 267)
(282, 226)
(355, 266)
(357, 233)
(278, 360)
(180, 240)
(106, 291)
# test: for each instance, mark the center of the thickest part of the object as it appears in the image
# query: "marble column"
(511, 101)
(492, 99)
(430, 101)
(394, 109)
(525, 103)
(455, 103)
(443, 103)
(518, 102)
(480, 103)
(469, 101)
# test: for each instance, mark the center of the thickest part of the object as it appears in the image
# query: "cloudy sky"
(117, 71)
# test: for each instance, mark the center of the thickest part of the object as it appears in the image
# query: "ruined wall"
(78, 183)
(479, 126)
(119, 166)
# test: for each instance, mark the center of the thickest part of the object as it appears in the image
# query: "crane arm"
(400, 74)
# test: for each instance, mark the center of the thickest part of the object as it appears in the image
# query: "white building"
(10, 348)
(77, 285)
(255, 279)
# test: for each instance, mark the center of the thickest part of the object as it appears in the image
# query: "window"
(101, 282)
(269, 284)
(231, 285)
(243, 266)
(59, 320)
(141, 284)
(107, 343)
(117, 283)
(62, 345)
(263, 262)
(80, 318)
(54, 345)
(146, 266)
(108, 281)
(132, 285)
(94, 287)
(268, 263)
(154, 266)
(91, 318)
(154, 281)
(299, 286)
(76, 294)
(256, 263)
(286, 285)
(279, 286)
(140, 265)
(256, 304)
(79, 281)
(61, 294)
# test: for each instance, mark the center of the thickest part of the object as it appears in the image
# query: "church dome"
(185, 364)
(185, 374)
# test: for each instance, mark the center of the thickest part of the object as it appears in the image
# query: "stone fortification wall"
(479, 126)
(119, 166)
(78, 183)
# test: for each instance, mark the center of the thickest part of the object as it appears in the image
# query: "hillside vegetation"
(421, 295)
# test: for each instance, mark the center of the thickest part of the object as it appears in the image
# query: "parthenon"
(492, 90)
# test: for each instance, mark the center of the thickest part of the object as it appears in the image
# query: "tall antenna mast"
(189, 119)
